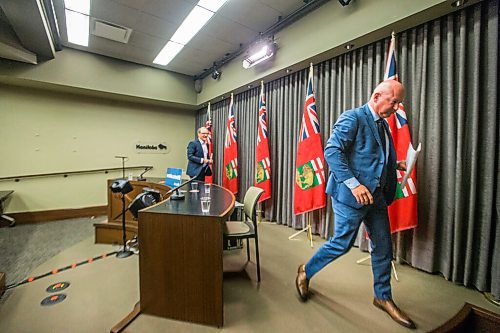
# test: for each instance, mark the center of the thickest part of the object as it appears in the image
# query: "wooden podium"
(110, 231)
(180, 259)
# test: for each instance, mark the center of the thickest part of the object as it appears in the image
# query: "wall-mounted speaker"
(198, 86)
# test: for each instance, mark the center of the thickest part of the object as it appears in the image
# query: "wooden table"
(180, 259)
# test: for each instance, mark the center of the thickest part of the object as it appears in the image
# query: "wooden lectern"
(180, 259)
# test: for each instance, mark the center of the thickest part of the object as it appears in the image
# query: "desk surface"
(220, 201)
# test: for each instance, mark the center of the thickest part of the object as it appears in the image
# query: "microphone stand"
(123, 164)
(124, 253)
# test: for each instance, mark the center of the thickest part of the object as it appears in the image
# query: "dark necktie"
(381, 133)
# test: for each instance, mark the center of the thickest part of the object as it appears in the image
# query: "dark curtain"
(450, 70)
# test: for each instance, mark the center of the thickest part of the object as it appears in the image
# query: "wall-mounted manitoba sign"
(151, 147)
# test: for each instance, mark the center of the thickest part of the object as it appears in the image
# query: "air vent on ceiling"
(109, 30)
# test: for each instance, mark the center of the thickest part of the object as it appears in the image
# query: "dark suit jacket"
(195, 167)
(355, 150)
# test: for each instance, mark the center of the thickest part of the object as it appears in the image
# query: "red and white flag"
(262, 157)
(403, 210)
(309, 166)
(230, 174)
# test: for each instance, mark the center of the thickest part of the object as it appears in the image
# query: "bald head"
(386, 97)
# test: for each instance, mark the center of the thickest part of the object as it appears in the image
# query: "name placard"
(151, 147)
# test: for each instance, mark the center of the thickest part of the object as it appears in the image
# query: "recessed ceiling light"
(77, 21)
(212, 5)
(192, 24)
(80, 6)
(168, 53)
(195, 20)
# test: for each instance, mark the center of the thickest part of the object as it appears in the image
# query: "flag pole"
(368, 257)
(307, 229)
(309, 232)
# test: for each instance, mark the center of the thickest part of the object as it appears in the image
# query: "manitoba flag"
(230, 174)
(262, 160)
(309, 166)
(208, 125)
(403, 210)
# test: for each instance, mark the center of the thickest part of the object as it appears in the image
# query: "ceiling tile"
(172, 10)
(145, 41)
(155, 26)
(153, 22)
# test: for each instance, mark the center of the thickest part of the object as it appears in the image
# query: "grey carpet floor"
(25, 247)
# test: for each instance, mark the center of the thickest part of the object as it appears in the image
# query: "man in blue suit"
(197, 153)
(362, 183)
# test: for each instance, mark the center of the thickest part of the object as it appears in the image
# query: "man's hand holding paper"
(411, 159)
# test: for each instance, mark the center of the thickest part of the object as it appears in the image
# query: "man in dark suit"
(197, 153)
(362, 183)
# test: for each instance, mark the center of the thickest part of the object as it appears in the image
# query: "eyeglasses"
(205, 133)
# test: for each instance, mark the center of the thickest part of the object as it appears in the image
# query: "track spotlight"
(216, 74)
(345, 2)
(259, 53)
(458, 3)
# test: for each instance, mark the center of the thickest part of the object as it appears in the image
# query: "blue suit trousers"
(347, 222)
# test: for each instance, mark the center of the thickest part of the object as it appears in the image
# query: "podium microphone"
(141, 178)
(180, 196)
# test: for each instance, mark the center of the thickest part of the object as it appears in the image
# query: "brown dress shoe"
(396, 314)
(302, 283)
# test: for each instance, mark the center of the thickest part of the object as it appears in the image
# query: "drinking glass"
(205, 205)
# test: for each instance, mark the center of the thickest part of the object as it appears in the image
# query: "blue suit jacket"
(195, 153)
(355, 150)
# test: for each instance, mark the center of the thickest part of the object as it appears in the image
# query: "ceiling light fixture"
(345, 2)
(216, 74)
(192, 24)
(259, 53)
(458, 3)
(349, 46)
(77, 21)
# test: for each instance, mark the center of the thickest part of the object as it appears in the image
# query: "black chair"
(246, 229)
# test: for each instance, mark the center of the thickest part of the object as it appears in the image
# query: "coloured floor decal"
(53, 299)
(53, 288)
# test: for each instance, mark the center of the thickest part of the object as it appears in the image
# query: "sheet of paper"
(411, 159)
